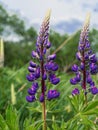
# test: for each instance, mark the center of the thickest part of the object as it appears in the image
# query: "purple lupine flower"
(52, 57)
(48, 45)
(52, 94)
(44, 69)
(30, 98)
(89, 79)
(75, 91)
(32, 64)
(94, 90)
(88, 63)
(75, 68)
(73, 81)
(41, 99)
(93, 58)
(31, 91)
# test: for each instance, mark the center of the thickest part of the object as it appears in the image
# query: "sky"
(67, 15)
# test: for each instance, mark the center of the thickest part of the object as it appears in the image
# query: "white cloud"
(62, 10)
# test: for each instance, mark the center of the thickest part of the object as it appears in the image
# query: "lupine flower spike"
(44, 69)
(88, 64)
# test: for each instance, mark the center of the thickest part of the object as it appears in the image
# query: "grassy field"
(13, 90)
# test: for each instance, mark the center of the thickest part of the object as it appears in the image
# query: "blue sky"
(67, 15)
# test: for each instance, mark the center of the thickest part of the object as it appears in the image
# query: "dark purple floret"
(75, 68)
(75, 91)
(31, 91)
(93, 58)
(44, 51)
(78, 77)
(35, 85)
(30, 77)
(52, 94)
(86, 56)
(78, 56)
(55, 81)
(92, 84)
(34, 54)
(32, 64)
(37, 73)
(93, 68)
(30, 98)
(41, 99)
(94, 90)
(44, 76)
(82, 66)
(31, 69)
(52, 57)
(48, 66)
(90, 52)
(54, 67)
(87, 45)
(73, 81)
(48, 45)
(52, 76)
(89, 79)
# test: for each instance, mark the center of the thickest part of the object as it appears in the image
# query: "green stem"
(44, 115)
(85, 99)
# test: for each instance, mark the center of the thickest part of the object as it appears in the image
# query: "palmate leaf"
(55, 126)
(77, 102)
(12, 118)
(84, 114)
(87, 122)
(30, 124)
(72, 123)
(3, 125)
(92, 107)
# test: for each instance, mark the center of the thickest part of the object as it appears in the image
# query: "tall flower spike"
(87, 61)
(44, 69)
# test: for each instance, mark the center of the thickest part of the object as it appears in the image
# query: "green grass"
(57, 110)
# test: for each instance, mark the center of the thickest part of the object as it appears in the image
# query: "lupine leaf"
(12, 118)
(32, 125)
(91, 112)
(3, 125)
(91, 105)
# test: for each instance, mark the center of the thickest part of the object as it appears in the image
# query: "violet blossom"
(88, 64)
(44, 69)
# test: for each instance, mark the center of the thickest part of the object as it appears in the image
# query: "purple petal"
(32, 64)
(52, 57)
(41, 99)
(30, 98)
(75, 91)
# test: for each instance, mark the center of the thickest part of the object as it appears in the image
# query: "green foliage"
(60, 114)
(18, 55)
(11, 120)
(84, 115)
(3, 125)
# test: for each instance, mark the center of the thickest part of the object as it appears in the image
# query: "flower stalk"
(45, 70)
(88, 64)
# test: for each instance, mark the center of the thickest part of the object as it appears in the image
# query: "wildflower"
(44, 69)
(88, 63)
(75, 91)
